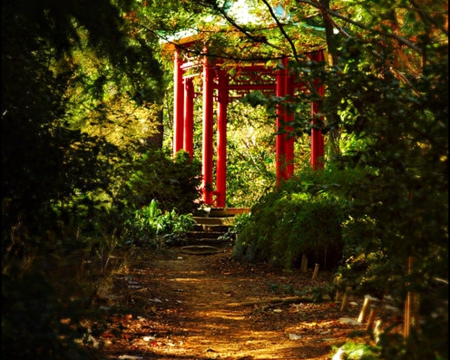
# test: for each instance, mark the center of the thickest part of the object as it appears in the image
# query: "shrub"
(174, 183)
(151, 223)
(284, 225)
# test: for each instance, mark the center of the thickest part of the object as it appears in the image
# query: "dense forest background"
(87, 98)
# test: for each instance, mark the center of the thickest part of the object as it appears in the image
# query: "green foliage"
(65, 70)
(78, 88)
(174, 183)
(359, 351)
(297, 219)
(240, 221)
(36, 322)
(55, 62)
(148, 215)
(151, 223)
(399, 208)
(175, 226)
(250, 149)
(429, 344)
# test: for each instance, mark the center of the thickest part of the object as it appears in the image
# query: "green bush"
(151, 222)
(174, 183)
(285, 224)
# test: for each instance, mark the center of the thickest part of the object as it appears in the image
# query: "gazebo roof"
(242, 14)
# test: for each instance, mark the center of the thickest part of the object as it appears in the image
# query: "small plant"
(358, 351)
(239, 222)
(153, 226)
(145, 225)
(174, 227)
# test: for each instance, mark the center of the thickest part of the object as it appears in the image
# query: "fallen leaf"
(107, 335)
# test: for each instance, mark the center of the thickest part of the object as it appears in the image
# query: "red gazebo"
(219, 88)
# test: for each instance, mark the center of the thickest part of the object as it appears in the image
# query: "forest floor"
(173, 305)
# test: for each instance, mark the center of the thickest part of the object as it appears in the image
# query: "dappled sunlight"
(217, 343)
(220, 314)
(187, 280)
(210, 308)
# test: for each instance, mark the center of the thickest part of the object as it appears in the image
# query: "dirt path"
(181, 306)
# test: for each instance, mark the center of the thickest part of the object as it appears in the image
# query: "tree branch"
(281, 27)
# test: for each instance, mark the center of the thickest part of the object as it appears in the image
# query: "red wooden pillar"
(221, 175)
(207, 146)
(188, 141)
(321, 90)
(178, 98)
(280, 147)
(317, 142)
(288, 118)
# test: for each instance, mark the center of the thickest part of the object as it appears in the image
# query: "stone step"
(201, 220)
(227, 212)
(204, 234)
(206, 241)
(214, 223)
(211, 228)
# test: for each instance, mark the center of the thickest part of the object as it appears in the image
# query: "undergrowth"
(284, 225)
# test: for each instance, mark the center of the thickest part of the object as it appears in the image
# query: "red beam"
(250, 87)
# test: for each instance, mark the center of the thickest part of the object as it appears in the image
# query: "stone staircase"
(209, 227)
